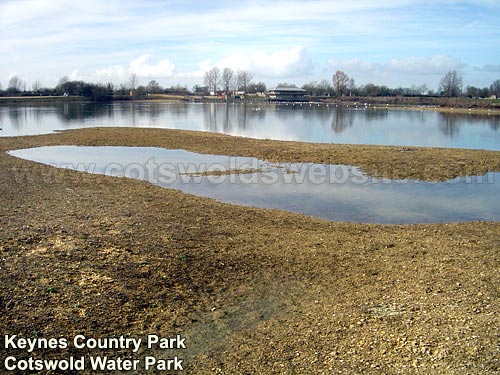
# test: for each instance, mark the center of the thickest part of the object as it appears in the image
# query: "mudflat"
(251, 290)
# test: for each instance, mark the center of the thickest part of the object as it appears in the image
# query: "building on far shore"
(287, 94)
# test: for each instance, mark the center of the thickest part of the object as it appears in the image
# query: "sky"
(385, 42)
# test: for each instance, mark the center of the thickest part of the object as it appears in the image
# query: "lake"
(333, 192)
(294, 122)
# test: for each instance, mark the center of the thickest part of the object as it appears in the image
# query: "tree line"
(228, 81)
(450, 86)
(94, 91)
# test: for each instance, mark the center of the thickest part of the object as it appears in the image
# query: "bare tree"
(244, 77)
(123, 89)
(63, 86)
(257, 87)
(212, 78)
(325, 86)
(16, 84)
(63, 80)
(227, 79)
(351, 86)
(133, 81)
(495, 88)
(451, 84)
(340, 82)
(207, 80)
(318, 89)
(423, 89)
(286, 85)
(111, 87)
(37, 86)
(153, 87)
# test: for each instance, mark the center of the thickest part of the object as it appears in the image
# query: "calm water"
(309, 123)
(333, 192)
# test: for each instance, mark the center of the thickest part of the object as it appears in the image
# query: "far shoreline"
(436, 104)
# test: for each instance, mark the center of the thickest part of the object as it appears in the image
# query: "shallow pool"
(333, 192)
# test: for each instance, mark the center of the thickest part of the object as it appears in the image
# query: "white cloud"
(396, 72)
(438, 64)
(112, 73)
(283, 63)
(355, 65)
(489, 68)
(203, 67)
(140, 66)
(74, 75)
(412, 65)
(108, 40)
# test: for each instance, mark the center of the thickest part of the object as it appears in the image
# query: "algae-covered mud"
(108, 266)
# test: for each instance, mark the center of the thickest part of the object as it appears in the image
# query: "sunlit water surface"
(296, 122)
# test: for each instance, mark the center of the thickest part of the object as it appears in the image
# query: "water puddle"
(333, 192)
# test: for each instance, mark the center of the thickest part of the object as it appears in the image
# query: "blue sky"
(391, 42)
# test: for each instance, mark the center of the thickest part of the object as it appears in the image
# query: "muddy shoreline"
(252, 290)
(396, 162)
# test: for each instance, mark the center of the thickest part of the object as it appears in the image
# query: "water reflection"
(15, 118)
(294, 122)
(333, 192)
(231, 118)
(450, 124)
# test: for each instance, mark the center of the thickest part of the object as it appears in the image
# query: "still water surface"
(333, 192)
(306, 122)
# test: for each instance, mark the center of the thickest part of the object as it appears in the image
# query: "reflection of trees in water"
(125, 113)
(345, 118)
(231, 118)
(135, 113)
(228, 118)
(77, 112)
(413, 116)
(21, 115)
(242, 112)
(18, 116)
(38, 114)
(374, 114)
(131, 110)
(175, 110)
(494, 122)
(154, 112)
(342, 119)
(306, 111)
(449, 123)
(210, 113)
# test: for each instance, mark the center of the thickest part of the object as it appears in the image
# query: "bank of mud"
(396, 162)
(252, 290)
